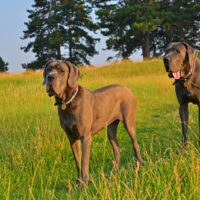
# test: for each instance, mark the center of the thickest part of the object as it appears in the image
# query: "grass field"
(36, 161)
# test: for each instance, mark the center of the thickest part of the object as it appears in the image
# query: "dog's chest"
(184, 95)
(67, 120)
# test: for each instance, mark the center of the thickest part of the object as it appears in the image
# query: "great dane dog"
(84, 113)
(181, 61)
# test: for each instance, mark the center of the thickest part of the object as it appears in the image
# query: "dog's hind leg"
(183, 111)
(130, 127)
(112, 136)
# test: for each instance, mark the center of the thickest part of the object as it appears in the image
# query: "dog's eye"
(62, 70)
(177, 51)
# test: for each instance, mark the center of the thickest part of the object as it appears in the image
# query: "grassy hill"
(36, 161)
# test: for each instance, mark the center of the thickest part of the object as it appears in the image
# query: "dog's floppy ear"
(44, 76)
(74, 74)
(44, 72)
(170, 45)
(191, 53)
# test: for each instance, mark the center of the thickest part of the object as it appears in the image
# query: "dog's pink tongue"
(176, 75)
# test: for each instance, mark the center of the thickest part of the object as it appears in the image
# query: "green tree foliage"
(76, 24)
(181, 21)
(148, 24)
(3, 65)
(60, 29)
(116, 25)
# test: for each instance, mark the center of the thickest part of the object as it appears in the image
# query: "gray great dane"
(84, 113)
(182, 64)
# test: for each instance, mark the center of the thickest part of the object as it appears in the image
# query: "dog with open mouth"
(84, 113)
(181, 63)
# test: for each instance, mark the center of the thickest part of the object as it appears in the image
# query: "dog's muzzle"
(50, 90)
(50, 79)
(170, 74)
(166, 64)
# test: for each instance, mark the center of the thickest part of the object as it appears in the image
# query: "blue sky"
(12, 17)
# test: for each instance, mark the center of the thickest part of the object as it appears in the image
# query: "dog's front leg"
(183, 111)
(75, 149)
(86, 142)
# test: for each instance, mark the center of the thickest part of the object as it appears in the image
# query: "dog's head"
(178, 59)
(59, 76)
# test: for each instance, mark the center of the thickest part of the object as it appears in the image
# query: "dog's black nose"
(50, 77)
(166, 63)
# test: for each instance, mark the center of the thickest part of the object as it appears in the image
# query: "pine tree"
(38, 31)
(3, 65)
(128, 24)
(56, 25)
(115, 22)
(77, 26)
(148, 24)
(181, 21)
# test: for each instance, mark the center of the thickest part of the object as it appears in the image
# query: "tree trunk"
(58, 53)
(58, 46)
(146, 46)
(70, 50)
(70, 44)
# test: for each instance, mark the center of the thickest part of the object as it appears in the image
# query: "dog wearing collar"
(182, 64)
(84, 113)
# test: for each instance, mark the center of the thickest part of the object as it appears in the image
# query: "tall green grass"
(36, 161)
